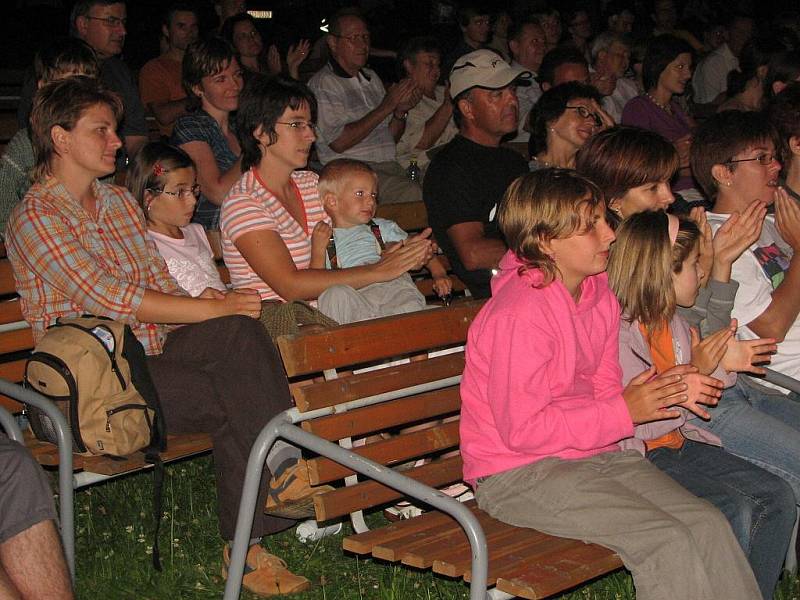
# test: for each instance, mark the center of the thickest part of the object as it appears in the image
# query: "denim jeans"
(760, 425)
(760, 506)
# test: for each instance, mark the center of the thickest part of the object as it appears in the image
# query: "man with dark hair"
(470, 174)
(474, 21)
(429, 124)
(358, 118)
(560, 65)
(710, 79)
(527, 42)
(102, 25)
(160, 78)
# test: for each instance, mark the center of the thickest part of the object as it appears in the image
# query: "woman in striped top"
(271, 213)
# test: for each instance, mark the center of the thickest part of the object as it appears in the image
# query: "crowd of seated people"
(551, 145)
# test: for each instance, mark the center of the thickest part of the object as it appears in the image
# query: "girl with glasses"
(163, 179)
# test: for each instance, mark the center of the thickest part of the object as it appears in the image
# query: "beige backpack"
(94, 370)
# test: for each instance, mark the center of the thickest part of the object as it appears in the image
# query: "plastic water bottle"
(413, 170)
(308, 531)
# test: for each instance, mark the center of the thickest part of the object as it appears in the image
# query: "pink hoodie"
(542, 375)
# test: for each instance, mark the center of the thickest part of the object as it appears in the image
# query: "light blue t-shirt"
(357, 246)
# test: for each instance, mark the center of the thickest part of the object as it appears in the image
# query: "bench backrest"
(418, 420)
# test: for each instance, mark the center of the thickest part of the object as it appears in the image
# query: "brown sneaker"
(265, 574)
(291, 495)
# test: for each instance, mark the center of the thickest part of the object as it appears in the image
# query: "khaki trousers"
(674, 544)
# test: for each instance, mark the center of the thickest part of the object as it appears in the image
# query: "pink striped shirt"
(250, 206)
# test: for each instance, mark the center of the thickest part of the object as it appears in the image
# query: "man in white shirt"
(611, 55)
(527, 43)
(357, 117)
(711, 77)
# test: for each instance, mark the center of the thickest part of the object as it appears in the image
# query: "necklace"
(665, 107)
(545, 163)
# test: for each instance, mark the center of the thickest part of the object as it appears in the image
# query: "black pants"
(224, 377)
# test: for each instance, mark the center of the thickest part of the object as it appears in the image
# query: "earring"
(616, 210)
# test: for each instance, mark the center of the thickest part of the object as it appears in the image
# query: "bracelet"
(402, 117)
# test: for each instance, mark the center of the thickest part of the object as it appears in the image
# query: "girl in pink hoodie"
(544, 407)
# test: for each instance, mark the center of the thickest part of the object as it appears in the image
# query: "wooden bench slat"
(10, 312)
(358, 422)
(357, 343)
(353, 387)
(16, 341)
(362, 543)
(457, 561)
(573, 566)
(343, 501)
(13, 370)
(421, 549)
(178, 446)
(410, 216)
(10, 405)
(6, 277)
(398, 449)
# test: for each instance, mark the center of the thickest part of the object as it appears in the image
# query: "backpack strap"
(133, 352)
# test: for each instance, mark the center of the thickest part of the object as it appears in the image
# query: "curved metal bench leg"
(64, 435)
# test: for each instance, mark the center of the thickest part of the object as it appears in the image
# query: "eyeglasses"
(585, 113)
(355, 38)
(110, 22)
(299, 126)
(765, 159)
(183, 193)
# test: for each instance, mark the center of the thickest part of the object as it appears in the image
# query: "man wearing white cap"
(469, 176)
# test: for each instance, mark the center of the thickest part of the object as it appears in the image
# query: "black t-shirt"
(464, 183)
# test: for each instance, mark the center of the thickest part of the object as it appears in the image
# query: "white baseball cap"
(485, 69)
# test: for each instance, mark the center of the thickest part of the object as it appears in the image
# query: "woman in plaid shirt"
(78, 246)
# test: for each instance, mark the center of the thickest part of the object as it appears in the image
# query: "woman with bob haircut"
(666, 70)
(212, 78)
(633, 167)
(560, 123)
(270, 214)
(734, 159)
(79, 246)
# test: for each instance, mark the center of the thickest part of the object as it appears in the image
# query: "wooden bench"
(16, 343)
(349, 405)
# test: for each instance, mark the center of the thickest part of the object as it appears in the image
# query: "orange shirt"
(663, 354)
(160, 81)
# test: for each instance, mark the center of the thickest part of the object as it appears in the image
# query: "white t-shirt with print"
(759, 270)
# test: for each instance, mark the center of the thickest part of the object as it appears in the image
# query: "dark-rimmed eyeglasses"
(765, 159)
(183, 193)
(585, 113)
(299, 126)
(110, 22)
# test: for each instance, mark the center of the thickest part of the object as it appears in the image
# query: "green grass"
(114, 551)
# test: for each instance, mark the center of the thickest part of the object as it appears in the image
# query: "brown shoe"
(291, 495)
(265, 574)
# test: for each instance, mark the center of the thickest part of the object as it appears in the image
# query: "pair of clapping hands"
(652, 397)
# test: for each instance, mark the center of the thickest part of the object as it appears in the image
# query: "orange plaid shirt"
(67, 263)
